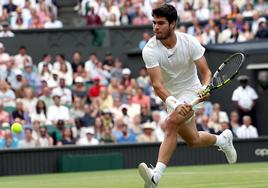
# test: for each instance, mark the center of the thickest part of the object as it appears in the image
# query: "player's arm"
(204, 71)
(205, 74)
(158, 83)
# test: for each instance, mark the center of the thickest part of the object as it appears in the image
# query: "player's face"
(162, 28)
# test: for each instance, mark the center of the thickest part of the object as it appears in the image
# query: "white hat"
(126, 71)
(54, 71)
(148, 125)
(90, 130)
(79, 79)
(261, 19)
(56, 93)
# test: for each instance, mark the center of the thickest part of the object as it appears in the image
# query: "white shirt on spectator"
(19, 60)
(202, 14)
(25, 144)
(56, 113)
(247, 132)
(29, 104)
(245, 97)
(52, 25)
(6, 34)
(84, 141)
(66, 95)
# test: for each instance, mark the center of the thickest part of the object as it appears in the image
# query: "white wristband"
(171, 102)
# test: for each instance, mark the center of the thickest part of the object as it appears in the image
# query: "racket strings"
(229, 70)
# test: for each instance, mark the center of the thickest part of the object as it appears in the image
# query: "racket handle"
(195, 101)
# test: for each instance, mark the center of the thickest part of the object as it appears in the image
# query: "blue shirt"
(130, 139)
(14, 143)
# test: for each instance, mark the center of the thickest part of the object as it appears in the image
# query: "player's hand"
(171, 103)
(201, 94)
(184, 110)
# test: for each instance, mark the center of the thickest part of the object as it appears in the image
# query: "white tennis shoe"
(228, 147)
(147, 175)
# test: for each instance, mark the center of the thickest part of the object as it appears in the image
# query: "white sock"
(219, 140)
(159, 170)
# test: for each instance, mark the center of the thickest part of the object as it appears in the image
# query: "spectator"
(22, 58)
(44, 140)
(45, 73)
(91, 65)
(141, 18)
(234, 121)
(4, 57)
(245, 98)
(88, 119)
(106, 136)
(58, 111)
(247, 33)
(92, 18)
(94, 91)
(40, 112)
(20, 113)
(66, 73)
(76, 61)
(9, 141)
(143, 42)
(77, 110)
(6, 31)
(46, 60)
(106, 99)
(79, 90)
(222, 115)
(89, 139)
(31, 76)
(64, 92)
(116, 70)
(8, 71)
(160, 131)
(261, 7)
(10, 7)
(126, 136)
(68, 138)
(248, 11)
(262, 32)
(4, 116)
(29, 100)
(214, 123)
(7, 96)
(145, 114)
(202, 13)
(148, 133)
(52, 22)
(29, 141)
(135, 126)
(46, 97)
(235, 36)
(203, 126)
(141, 99)
(247, 130)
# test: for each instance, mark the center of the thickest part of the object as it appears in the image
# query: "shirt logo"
(170, 55)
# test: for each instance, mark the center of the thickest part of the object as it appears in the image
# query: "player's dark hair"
(167, 11)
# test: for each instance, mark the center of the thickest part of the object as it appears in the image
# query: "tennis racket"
(224, 75)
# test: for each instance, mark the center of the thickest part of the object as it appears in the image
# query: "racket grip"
(195, 101)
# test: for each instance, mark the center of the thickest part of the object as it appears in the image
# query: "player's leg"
(194, 138)
(152, 177)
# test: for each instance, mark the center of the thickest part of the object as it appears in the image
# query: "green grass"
(244, 175)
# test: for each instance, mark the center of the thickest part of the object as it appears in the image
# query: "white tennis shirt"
(177, 64)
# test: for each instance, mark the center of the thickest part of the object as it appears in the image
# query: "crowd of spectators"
(78, 102)
(28, 14)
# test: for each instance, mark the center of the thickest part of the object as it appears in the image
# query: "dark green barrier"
(76, 163)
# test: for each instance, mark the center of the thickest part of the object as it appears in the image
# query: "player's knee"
(193, 143)
(170, 126)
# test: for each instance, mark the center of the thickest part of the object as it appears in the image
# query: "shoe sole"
(143, 171)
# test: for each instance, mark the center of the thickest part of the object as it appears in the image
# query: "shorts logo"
(262, 152)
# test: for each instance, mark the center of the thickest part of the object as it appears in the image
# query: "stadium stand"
(99, 101)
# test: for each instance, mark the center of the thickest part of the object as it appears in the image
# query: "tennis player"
(172, 60)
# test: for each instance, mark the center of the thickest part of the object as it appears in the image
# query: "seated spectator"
(262, 32)
(247, 33)
(116, 70)
(118, 128)
(222, 115)
(93, 19)
(81, 72)
(248, 10)
(202, 13)
(4, 116)
(203, 126)
(44, 140)
(29, 100)
(6, 32)
(133, 108)
(143, 42)
(46, 97)
(67, 137)
(10, 6)
(126, 136)
(106, 136)
(52, 22)
(46, 60)
(29, 141)
(94, 91)
(234, 121)
(113, 86)
(141, 99)
(76, 110)
(224, 126)
(141, 18)
(235, 36)
(9, 141)
(20, 113)
(143, 80)
(88, 119)
(7, 95)
(66, 73)
(105, 99)
(135, 127)
(89, 139)
(79, 90)
(160, 131)
(214, 123)
(64, 92)
(40, 113)
(58, 111)
(247, 130)
(145, 114)
(148, 133)
(261, 7)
